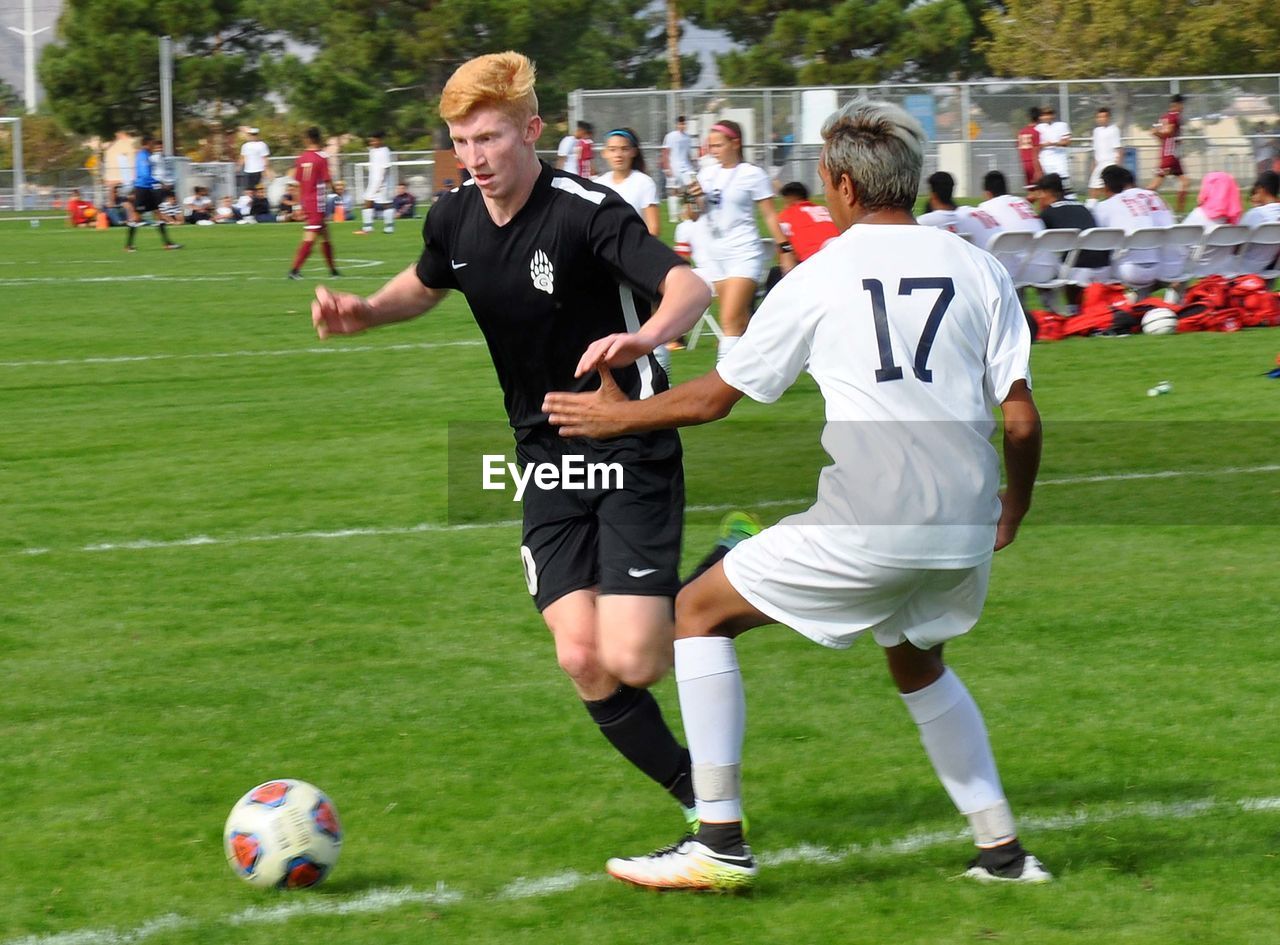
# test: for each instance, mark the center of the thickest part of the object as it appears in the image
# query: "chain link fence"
(1231, 123)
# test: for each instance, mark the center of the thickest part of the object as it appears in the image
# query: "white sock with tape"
(714, 708)
(955, 739)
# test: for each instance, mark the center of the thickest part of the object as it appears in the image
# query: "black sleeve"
(434, 268)
(619, 238)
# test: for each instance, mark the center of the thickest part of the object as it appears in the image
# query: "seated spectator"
(244, 206)
(169, 212)
(80, 212)
(1129, 208)
(337, 197)
(289, 210)
(198, 208)
(806, 226)
(1266, 209)
(1219, 201)
(404, 203)
(1059, 213)
(226, 211)
(117, 215)
(1001, 212)
(942, 208)
(448, 184)
(260, 207)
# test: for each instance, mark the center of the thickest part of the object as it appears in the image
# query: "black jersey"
(575, 264)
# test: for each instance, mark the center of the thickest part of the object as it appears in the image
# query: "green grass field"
(227, 556)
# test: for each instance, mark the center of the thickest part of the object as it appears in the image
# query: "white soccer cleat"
(1025, 869)
(687, 865)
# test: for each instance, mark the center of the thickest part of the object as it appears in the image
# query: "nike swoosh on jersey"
(457, 265)
(641, 572)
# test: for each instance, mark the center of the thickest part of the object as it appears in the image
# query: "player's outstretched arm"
(342, 313)
(685, 296)
(605, 413)
(1022, 443)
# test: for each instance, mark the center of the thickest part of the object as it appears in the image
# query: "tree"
(382, 63)
(103, 73)
(10, 100)
(1071, 39)
(817, 42)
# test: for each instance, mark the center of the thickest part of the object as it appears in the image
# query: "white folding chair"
(1261, 254)
(1098, 239)
(708, 323)
(1047, 252)
(1012, 248)
(1181, 241)
(1216, 254)
(1149, 241)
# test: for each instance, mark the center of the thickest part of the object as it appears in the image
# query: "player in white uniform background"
(1106, 150)
(914, 337)
(1129, 207)
(1055, 138)
(1003, 211)
(677, 166)
(377, 195)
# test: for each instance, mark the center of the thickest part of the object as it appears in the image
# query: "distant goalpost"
(19, 175)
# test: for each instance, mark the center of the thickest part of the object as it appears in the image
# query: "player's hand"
(613, 351)
(1010, 518)
(694, 189)
(339, 313)
(597, 414)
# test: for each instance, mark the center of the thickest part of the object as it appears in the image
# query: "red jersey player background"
(1029, 147)
(312, 174)
(1168, 130)
(806, 225)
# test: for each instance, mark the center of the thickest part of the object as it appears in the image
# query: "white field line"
(222, 355)
(426, 528)
(377, 901)
(230, 276)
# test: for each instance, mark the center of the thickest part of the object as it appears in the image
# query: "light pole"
(28, 34)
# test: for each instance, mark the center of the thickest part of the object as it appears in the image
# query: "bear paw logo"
(542, 273)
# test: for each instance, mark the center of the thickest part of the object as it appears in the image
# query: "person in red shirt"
(806, 226)
(80, 212)
(1169, 130)
(312, 174)
(1029, 147)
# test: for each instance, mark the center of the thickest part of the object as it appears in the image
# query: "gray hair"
(880, 147)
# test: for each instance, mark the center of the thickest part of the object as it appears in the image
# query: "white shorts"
(732, 265)
(379, 196)
(791, 574)
(1095, 179)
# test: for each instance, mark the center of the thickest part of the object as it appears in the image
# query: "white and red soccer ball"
(283, 834)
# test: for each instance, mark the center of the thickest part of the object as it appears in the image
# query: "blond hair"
(499, 80)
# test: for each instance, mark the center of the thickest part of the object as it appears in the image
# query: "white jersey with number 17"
(913, 337)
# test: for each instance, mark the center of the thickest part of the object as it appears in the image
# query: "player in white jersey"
(1266, 209)
(677, 166)
(914, 337)
(1011, 212)
(1131, 208)
(1055, 139)
(377, 195)
(1106, 149)
(942, 211)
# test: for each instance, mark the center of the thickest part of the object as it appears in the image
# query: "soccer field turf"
(230, 553)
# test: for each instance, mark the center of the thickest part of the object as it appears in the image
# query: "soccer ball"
(283, 834)
(1159, 321)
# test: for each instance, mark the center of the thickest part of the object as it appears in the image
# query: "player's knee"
(639, 667)
(578, 661)
(695, 617)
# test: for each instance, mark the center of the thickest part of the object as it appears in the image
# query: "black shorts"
(252, 179)
(619, 540)
(145, 199)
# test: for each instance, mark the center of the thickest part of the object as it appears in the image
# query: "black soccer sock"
(633, 723)
(707, 563)
(723, 838)
(129, 236)
(164, 234)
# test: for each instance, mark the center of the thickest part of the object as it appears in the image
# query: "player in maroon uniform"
(1029, 147)
(1168, 131)
(312, 174)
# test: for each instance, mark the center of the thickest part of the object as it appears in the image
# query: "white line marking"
(385, 900)
(210, 355)
(197, 541)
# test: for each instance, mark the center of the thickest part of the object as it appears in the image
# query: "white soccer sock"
(714, 708)
(367, 216)
(389, 216)
(955, 739)
(726, 345)
(673, 209)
